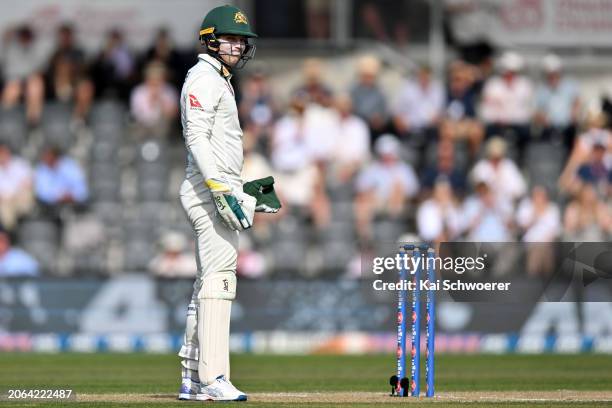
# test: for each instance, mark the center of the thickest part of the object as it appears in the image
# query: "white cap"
(387, 144)
(552, 63)
(511, 61)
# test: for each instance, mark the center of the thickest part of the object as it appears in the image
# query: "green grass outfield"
(141, 380)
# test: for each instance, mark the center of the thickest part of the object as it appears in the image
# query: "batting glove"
(263, 191)
(236, 211)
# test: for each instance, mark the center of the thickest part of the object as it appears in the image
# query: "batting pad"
(218, 285)
(213, 333)
(189, 349)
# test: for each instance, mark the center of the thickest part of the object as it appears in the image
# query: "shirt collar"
(222, 69)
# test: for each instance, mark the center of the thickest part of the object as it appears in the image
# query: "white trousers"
(216, 256)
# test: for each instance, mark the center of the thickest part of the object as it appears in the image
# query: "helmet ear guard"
(208, 38)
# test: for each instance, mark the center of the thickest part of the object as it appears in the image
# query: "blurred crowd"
(489, 153)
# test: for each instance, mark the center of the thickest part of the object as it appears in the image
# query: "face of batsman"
(231, 48)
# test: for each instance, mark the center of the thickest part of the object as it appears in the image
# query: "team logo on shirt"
(194, 103)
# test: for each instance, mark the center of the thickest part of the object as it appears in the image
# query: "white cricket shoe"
(220, 390)
(189, 389)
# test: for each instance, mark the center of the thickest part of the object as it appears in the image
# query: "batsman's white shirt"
(210, 123)
(214, 150)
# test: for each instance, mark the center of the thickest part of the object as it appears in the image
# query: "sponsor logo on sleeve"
(194, 103)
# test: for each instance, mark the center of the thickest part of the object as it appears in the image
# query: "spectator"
(499, 172)
(174, 261)
(384, 186)
(66, 79)
(487, 216)
(582, 152)
(22, 65)
(540, 223)
(314, 87)
(538, 218)
(257, 106)
(113, 71)
(419, 105)
(154, 102)
(289, 151)
(256, 165)
(163, 51)
(446, 168)
(15, 262)
(596, 171)
(300, 179)
(459, 119)
(369, 102)
(352, 141)
(507, 101)
(557, 102)
(16, 198)
(59, 180)
(439, 218)
(586, 218)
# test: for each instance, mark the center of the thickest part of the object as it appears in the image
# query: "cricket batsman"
(215, 200)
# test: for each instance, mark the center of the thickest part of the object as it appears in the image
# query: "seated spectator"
(538, 218)
(459, 120)
(446, 168)
(487, 216)
(557, 102)
(301, 181)
(113, 70)
(289, 151)
(596, 171)
(539, 221)
(419, 105)
(59, 180)
(352, 141)
(257, 106)
(163, 51)
(507, 101)
(499, 172)
(174, 261)
(15, 262)
(369, 102)
(384, 186)
(595, 135)
(439, 218)
(22, 65)
(256, 165)
(16, 198)
(66, 79)
(313, 86)
(154, 103)
(586, 218)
